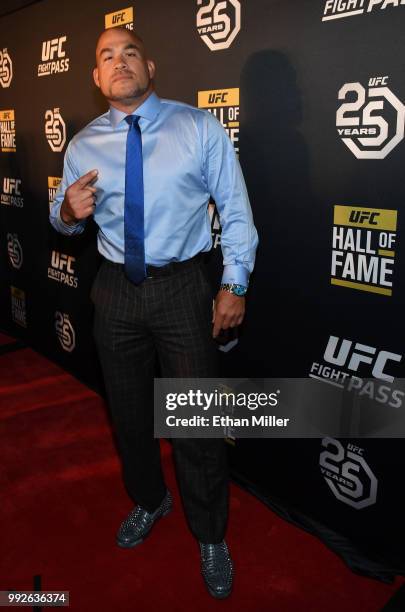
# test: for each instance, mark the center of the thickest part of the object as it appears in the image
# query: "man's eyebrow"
(132, 46)
(128, 46)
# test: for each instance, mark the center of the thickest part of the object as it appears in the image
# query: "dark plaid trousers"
(166, 318)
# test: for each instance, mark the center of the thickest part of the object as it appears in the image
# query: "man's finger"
(89, 210)
(87, 178)
(218, 325)
(216, 330)
(88, 202)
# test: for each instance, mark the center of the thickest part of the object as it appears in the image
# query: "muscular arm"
(239, 237)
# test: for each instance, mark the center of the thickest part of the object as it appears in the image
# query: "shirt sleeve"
(70, 175)
(226, 185)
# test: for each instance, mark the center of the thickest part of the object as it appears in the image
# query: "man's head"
(122, 71)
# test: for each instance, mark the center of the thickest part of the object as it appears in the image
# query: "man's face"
(122, 72)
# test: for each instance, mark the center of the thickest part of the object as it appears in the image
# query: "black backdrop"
(316, 155)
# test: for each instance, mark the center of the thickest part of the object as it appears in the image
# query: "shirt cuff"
(65, 227)
(237, 274)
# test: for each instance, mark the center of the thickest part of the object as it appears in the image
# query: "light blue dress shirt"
(187, 156)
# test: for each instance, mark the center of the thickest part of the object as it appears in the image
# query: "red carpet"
(62, 501)
(4, 339)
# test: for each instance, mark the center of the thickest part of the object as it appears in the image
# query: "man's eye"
(107, 58)
(131, 53)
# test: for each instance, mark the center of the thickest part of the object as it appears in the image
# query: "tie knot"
(132, 120)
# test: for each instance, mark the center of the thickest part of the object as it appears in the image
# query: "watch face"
(238, 290)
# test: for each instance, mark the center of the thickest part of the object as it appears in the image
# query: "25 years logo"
(64, 331)
(218, 22)
(55, 130)
(6, 68)
(348, 474)
(15, 252)
(370, 121)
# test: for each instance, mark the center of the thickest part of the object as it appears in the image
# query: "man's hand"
(229, 311)
(79, 201)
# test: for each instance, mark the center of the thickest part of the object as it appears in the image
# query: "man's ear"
(95, 77)
(151, 68)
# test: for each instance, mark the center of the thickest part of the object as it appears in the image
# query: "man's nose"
(120, 63)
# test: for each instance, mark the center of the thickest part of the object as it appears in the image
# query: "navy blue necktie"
(134, 207)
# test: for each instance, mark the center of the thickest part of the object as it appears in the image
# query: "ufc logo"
(375, 81)
(119, 17)
(362, 216)
(361, 353)
(11, 186)
(61, 261)
(52, 48)
(355, 449)
(215, 98)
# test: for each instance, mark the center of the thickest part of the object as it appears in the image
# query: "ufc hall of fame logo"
(53, 56)
(347, 473)
(55, 130)
(7, 131)
(64, 331)
(61, 269)
(339, 9)
(123, 17)
(11, 194)
(53, 185)
(366, 370)
(18, 306)
(6, 68)
(14, 250)
(363, 248)
(370, 121)
(224, 104)
(218, 22)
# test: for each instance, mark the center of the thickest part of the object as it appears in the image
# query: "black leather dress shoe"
(217, 569)
(139, 522)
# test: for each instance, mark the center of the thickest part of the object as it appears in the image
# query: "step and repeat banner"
(312, 95)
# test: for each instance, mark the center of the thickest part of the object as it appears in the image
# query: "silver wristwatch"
(239, 290)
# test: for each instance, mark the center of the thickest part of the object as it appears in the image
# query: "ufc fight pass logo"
(64, 331)
(348, 474)
(62, 269)
(6, 69)
(53, 57)
(55, 130)
(371, 121)
(11, 195)
(365, 370)
(339, 9)
(218, 22)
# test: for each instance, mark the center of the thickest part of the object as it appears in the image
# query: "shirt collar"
(148, 110)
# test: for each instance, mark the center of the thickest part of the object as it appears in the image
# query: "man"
(145, 171)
